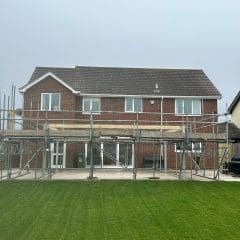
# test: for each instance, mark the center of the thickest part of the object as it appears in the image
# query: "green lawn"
(119, 210)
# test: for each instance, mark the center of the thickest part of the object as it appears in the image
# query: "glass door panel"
(96, 155)
(58, 154)
(125, 154)
(109, 154)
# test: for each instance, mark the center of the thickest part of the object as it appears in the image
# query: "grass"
(119, 210)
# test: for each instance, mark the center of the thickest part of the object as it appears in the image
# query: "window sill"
(88, 113)
(49, 110)
(132, 112)
(190, 151)
(188, 115)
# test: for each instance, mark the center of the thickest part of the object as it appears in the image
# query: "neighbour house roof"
(233, 130)
(234, 102)
(130, 81)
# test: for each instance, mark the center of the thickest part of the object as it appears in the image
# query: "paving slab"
(115, 174)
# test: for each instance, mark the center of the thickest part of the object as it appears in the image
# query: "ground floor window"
(190, 147)
(110, 154)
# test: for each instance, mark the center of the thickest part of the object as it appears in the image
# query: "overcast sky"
(124, 33)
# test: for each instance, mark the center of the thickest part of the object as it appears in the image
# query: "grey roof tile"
(133, 81)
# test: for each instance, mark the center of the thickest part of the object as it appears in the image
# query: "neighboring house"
(234, 127)
(233, 131)
(234, 110)
(70, 96)
(233, 141)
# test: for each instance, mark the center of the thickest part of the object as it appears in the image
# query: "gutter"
(147, 96)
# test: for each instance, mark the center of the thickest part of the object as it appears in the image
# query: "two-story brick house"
(114, 96)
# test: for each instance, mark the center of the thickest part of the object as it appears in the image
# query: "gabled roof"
(29, 85)
(234, 102)
(132, 81)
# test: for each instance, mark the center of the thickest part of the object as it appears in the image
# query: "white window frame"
(57, 153)
(91, 101)
(132, 100)
(50, 102)
(117, 165)
(192, 148)
(192, 106)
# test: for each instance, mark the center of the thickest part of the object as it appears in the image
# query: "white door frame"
(117, 165)
(57, 154)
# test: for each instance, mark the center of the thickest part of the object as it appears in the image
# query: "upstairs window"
(188, 106)
(91, 105)
(133, 104)
(50, 101)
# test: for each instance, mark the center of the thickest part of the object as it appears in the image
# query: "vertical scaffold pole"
(227, 141)
(21, 158)
(134, 160)
(0, 130)
(9, 170)
(181, 162)
(47, 158)
(0, 110)
(8, 113)
(91, 147)
(4, 112)
(214, 159)
(47, 151)
(165, 157)
(214, 152)
(36, 161)
(184, 147)
(137, 152)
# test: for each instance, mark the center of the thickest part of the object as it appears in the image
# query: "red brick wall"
(114, 109)
(71, 103)
(151, 112)
(173, 157)
(206, 157)
(33, 97)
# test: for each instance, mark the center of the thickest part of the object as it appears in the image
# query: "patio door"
(126, 154)
(109, 154)
(58, 154)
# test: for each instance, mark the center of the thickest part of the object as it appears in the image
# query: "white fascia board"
(197, 97)
(148, 96)
(49, 74)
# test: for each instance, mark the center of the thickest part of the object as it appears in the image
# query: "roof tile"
(133, 81)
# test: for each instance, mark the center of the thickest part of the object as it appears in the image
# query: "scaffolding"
(31, 147)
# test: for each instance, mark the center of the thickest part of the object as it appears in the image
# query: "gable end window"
(91, 105)
(133, 104)
(188, 106)
(50, 101)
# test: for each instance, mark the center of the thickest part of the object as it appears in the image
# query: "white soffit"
(49, 74)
